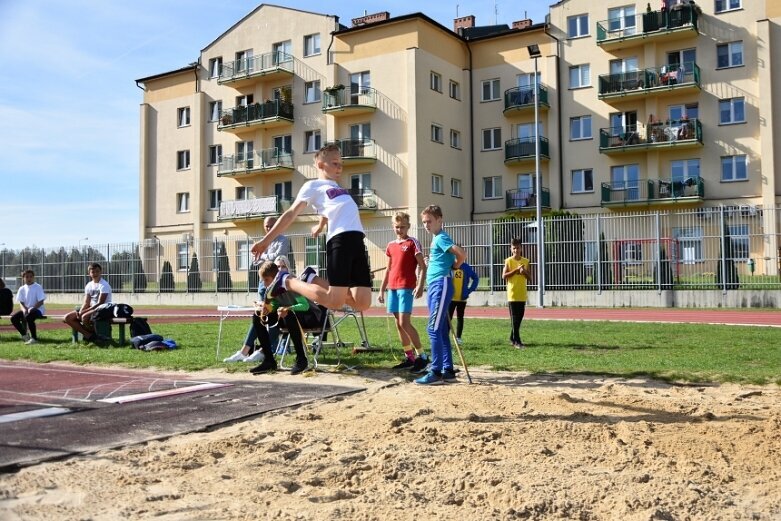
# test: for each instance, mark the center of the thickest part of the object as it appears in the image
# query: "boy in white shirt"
(30, 297)
(349, 277)
(97, 295)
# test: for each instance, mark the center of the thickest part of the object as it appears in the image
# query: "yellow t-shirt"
(516, 284)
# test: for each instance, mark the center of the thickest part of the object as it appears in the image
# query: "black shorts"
(348, 262)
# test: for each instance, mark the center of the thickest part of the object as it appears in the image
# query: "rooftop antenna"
(456, 10)
(496, 13)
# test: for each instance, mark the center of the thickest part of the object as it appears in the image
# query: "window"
(732, 111)
(582, 181)
(727, 5)
(311, 44)
(245, 152)
(181, 256)
(215, 154)
(490, 90)
(455, 90)
(580, 128)
(244, 101)
(312, 91)
(632, 252)
(244, 192)
(312, 141)
(733, 168)
(577, 26)
(215, 67)
(455, 139)
(621, 20)
(183, 160)
(284, 190)
(436, 133)
(215, 198)
(183, 117)
(690, 242)
(579, 76)
(729, 55)
(626, 178)
(492, 187)
(284, 144)
(455, 187)
(436, 184)
(242, 256)
(215, 109)
(738, 236)
(684, 172)
(492, 139)
(361, 132)
(687, 111)
(359, 182)
(282, 51)
(436, 81)
(243, 61)
(183, 202)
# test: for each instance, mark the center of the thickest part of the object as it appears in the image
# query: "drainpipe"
(558, 101)
(471, 137)
(139, 86)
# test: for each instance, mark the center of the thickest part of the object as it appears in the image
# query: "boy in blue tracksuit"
(465, 281)
(444, 256)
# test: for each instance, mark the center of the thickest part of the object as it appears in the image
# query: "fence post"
(658, 255)
(723, 252)
(491, 224)
(599, 254)
(158, 275)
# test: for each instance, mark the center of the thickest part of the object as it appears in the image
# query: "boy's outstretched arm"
(284, 221)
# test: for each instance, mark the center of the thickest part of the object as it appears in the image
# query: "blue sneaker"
(309, 273)
(277, 286)
(449, 376)
(431, 378)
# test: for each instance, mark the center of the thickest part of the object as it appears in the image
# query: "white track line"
(37, 413)
(158, 394)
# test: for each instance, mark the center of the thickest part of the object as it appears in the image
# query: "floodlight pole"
(538, 190)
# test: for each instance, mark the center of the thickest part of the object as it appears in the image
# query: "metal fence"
(704, 248)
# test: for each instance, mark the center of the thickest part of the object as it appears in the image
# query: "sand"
(510, 446)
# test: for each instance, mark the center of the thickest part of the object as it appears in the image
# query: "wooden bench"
(103, 328)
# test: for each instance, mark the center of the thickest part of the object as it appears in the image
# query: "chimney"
(371, 18)
(522, 24)
(465, 22)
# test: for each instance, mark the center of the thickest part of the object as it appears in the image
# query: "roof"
(193, 66)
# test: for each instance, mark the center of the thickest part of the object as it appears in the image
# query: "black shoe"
(268, 365)
(407, 363)
(419, 365)
(299, 367)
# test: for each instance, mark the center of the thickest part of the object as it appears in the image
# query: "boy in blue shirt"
(444, 256)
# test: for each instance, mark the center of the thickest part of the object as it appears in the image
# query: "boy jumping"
(349, 277)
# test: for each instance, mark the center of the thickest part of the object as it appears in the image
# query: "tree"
(564, 251)
(139, 276)
(224, 282)
(605, 273)
(729, 278)
(167, 278)
(194, 275)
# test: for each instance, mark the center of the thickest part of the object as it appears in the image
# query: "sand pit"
(510, 446)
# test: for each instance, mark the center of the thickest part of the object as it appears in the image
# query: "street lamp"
(84, 239)
(534, 52)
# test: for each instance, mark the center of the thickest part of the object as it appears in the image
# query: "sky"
(69, 104)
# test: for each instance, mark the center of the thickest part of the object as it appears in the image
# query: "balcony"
(357, 151)
(649, 82)
(365, 198)
(653, 192)
(268, 160)
(672, 24)
(272, 113)
(521, 99)
(520, 150)
(252, 208)
(517, 200)
(686, 133)
(269, 66)
(347, 102)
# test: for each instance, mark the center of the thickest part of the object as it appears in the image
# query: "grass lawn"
(680, 352)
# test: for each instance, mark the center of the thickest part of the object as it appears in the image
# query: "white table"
(225, 312)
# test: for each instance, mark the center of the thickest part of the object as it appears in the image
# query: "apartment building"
(640, 108)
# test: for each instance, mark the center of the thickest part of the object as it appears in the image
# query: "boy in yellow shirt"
(516, 273)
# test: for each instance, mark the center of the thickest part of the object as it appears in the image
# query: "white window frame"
(243, 60)
(690, 242)
(436, 81)
(182, 254)
(731, 168)
(455, 90)
(215, 154)
(733, 49)
(492, 135)
(437, 184)
(183, 202)
(455, 188)
(215, 67)
(312, 141)
(724, 6)
(244, 193)
(437, 133)
(683, 169)
(242, 256)
(583, 126)
(580, 27)
(215, 198)
(622, 14)
(312, 93)
(492, 187)
(583, 72)
(182, 160)
(283, 143)
(739, 236)
(733, 102)
(455, 139)
(579, 180)
(489, 90)
(215, 109)
(632, 252)
(183, 117)
(311, 45)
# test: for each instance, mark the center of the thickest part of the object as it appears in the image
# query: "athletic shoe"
(518, 345)
(268, 365)
(277, 286)
(404, 364)
(459, 341)
(419, 365)
(26, 337)
(256, 356)
(309, 273)
(31, 342)
(300, 366)
(449, 376)
(430, 378)
(238, 356)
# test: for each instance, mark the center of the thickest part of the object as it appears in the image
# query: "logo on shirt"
(333, 193)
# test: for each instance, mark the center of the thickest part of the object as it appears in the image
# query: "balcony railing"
(620, 29)
(360, 99)
(647, 191)
(519, 98)
(667, 77)
(252, 208)
(256, 114)
(522, 149)
(365, 198)
(270, 159)
(686, 132)
(253, 66)
(519, 200)
(357, 150)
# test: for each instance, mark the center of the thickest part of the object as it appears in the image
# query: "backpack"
(139, 327)
(123, 311)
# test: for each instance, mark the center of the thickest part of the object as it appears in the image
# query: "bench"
(103, 328)
(10, 325)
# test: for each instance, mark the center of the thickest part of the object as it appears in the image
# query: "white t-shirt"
(96, 289)
(334, 203)
(31, 295)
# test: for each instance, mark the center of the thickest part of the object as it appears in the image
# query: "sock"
(409, 352)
